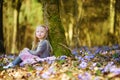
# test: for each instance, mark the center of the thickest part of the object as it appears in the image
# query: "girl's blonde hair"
(36, 40)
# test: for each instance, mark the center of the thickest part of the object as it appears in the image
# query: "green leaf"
(61, 61)
(116, 55)
(98, 73)
(75, 63)
(69, 73)
(99, 65)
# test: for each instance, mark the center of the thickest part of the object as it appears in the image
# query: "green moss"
(57, 36)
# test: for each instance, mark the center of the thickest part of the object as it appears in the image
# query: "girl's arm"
(40, 49)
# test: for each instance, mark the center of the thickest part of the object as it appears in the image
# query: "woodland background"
(72, 23)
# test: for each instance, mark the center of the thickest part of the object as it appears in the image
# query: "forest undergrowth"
(97, 63)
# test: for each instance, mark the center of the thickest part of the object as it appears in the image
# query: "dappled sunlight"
(84, 37)
(20, 24)
(76, 23)
(112, 16)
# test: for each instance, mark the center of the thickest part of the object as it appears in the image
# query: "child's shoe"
(10, 65)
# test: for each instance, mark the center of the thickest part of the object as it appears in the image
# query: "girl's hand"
(24, 50)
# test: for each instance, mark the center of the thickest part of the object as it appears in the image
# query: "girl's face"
(40, 33)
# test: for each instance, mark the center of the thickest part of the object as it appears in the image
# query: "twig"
(64, 46)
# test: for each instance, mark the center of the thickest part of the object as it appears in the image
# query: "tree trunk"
(16, 37)
(71, 15)
(19, 3)
(52, 19)
(14, 47)
(112, 15)
(1, 28)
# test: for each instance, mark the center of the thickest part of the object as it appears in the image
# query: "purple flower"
(50, 60)
(116, 46)
(88, 57)
(45, 75)
(115, 70)
(39, 68)
(51, 70)
(85, 76)
(74, 52)
(63, 57)
(82, 65)
(97, 78)
(80, 77)
(108, 67)
(97, 50)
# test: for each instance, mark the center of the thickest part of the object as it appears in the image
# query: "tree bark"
(16, 37)
(52, 19)
(112, 16)
(19, 3)
(1, 27)
(14, 46)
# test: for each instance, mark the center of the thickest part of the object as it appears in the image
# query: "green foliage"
(61, 62)
(75, 63)
(69, 73)
(99, 65)
(57, 36)
(98, 73)
(115, 55)
(30, 68)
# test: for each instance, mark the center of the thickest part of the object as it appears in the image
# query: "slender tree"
(71, 15)
(112, 15)
(16, 5)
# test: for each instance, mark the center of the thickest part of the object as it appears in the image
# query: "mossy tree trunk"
(52, 19)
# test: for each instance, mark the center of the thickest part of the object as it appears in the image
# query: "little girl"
(41, 48)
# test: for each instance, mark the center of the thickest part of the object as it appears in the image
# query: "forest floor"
(98, 63)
